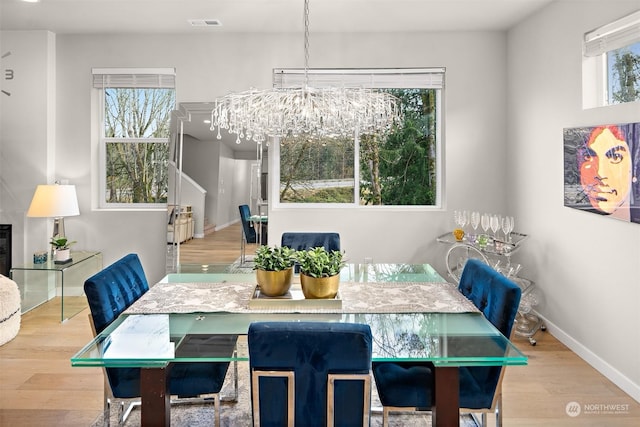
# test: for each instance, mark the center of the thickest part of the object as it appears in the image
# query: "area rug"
(237, 413)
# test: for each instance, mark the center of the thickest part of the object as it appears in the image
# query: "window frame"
(132, 78)
(432, 77)
(597, 43)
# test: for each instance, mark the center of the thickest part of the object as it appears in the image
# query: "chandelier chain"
(306, 42)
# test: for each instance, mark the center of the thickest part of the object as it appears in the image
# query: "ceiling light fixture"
(258, 114)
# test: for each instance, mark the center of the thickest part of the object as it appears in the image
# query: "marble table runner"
(357, 297)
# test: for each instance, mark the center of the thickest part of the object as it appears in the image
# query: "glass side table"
(62, 283)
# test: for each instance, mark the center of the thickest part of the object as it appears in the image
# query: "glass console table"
(39, 283)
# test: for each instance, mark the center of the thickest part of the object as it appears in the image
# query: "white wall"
(200, 162)
(587, 266)
(27, 136)
(210, 66)
(474, 134)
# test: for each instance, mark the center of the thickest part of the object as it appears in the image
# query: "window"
(135, 109)
(401, 169)
(623, 74)
(611, 64)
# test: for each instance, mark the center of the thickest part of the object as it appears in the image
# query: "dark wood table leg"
(156, 400)
(446, 411)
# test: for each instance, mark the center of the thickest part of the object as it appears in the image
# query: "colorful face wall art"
(602, 168)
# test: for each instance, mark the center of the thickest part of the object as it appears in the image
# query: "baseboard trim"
(223, 226)
(612, 374)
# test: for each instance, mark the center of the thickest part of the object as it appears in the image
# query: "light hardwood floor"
(38, 386)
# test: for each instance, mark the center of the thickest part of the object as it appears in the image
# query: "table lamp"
(54, 201)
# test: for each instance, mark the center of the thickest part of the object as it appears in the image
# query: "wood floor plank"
(38, 386)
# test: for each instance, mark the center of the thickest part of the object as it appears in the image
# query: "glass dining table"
(449, 337)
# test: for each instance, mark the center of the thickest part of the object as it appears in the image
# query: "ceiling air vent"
(205, 23)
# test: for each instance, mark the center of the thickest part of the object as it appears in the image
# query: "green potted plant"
(274, 269)
(320, 272)
(62, 251)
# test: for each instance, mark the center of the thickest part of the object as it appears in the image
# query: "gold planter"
(319, 287)
(274, 283)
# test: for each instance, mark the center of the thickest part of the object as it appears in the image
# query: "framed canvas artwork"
(602, 170)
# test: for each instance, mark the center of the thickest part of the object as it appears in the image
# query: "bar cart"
(497, 253)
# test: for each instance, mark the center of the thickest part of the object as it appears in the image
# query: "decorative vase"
(319, 287)
(62, 255)
(274, 283)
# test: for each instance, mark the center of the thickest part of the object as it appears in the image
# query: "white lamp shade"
(54, 201)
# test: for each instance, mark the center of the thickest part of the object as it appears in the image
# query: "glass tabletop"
(76, 258)
(446, 339)
(365, 272)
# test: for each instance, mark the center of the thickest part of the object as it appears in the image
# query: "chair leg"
(106, 413)
(385, 417)
(216, 405)
(499, 411)
(242, 247)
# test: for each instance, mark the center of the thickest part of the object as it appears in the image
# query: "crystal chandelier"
(332, 112)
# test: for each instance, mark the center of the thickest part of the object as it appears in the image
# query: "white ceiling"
(172, 16)
(167, 16)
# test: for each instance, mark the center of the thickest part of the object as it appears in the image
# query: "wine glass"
(484, 222)
(464, 218)
(456, 218)
(505, 224)
(475, 220)
(461, 218)
(495, 225)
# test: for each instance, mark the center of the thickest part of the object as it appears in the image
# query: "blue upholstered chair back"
(110, 292)
(303, 241)
(494, 294)
(498, 298)
(247, 226)
(311, 350)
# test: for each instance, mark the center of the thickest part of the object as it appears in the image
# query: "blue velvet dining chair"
(110, 292)
(409, 387)
(306, 240)
(249, 233)
(310, 374)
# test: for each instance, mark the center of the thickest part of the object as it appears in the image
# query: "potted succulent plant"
(320, 272)
(274, 269)
(62, 251)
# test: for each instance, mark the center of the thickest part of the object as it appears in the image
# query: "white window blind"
(419, 78)
(620, 33)
(134, 77)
